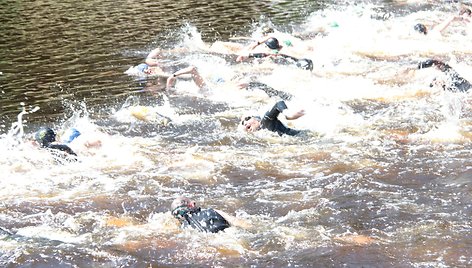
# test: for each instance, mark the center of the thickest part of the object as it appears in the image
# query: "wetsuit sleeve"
(276, 110)
(271, 92)
(305, 64)
(208, 220)
(426, 64)
(456, 82)
(62, 147)
(258, 55)
(429, 63)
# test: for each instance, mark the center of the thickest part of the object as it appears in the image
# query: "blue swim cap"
(44, 136)
(142, 67)
(70, 134)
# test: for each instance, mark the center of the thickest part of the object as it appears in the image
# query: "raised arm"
(250, 48)
(192, 70)
(280, 106)
(441, 27)
(152, 58)
(293, 115)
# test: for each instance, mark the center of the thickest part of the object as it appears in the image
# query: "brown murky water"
(380, 177)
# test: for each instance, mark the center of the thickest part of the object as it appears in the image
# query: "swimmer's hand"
(295, 115)
(170, 82)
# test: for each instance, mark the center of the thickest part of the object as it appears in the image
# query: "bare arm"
(192, 70)
(152, 57)
(295, 115)
(233, 221)
(249, 49)
(443, 25)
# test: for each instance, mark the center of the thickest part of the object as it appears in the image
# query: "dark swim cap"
(421, 28)
(44, 136)
(272, 43)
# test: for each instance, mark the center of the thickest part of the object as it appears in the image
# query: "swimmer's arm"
(233, 221)
(441, 27)
(290, 115)
(249, 49)
(256, 44)
(95, 143)
(151, 58)
(192, 70)
(408, 71)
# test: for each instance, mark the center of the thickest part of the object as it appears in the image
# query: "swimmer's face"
(250, 123)
(183, 201)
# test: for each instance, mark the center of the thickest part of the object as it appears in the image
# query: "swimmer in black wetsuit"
(46, 138)
(453, 82)
(271, 122)
(463, 16)
(204, 220)
(274, 48)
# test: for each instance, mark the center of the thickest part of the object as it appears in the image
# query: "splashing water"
(380, 177)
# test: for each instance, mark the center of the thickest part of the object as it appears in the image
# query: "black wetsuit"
(272, 123)
(454, 81)
(305, 64)
(207, 220)
(61, 147)
(270, 91)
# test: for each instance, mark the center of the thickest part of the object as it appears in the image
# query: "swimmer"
(152, 66)
(421, 28)
(204, 220)
(464, 16)
(272, 50)
(271, 122)
(453, 82)
(46, 138)
(267, 32)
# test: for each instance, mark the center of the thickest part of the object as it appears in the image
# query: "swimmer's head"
(142, 67)
(182, 202)
(250, 123)
(421, 28)
(44, 136)
(465, 12)
(69, 135)
(272, 43)
(181, 206)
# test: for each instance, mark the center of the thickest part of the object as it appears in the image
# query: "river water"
(380, 177)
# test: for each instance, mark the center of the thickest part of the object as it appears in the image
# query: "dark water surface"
(380, 178)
